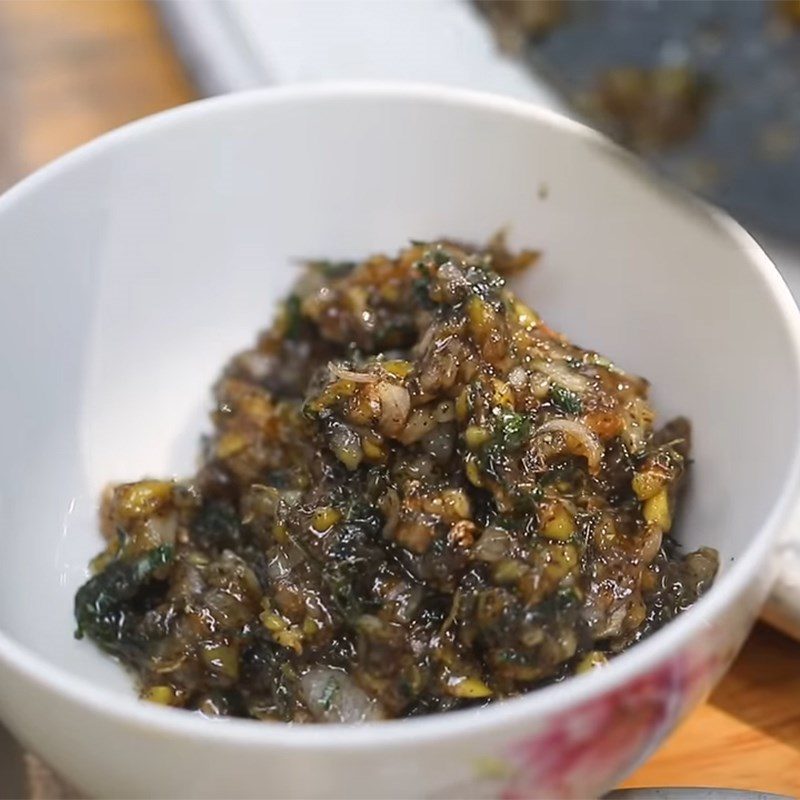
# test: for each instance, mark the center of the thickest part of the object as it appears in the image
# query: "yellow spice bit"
(649, 580)
(502, 394)
(102, 560)
(317, 404)
(162, 695)
(350, 458)
(475, 436)
(647, 484)
(540, 385)
(636, 615)
(591, 661)
(508, 571)
(565, 555)
(325, 518)
(222, 659)
(390, 292)
(331, 394)
(481, 317)
(229, 444)
(257, 408)
(656, 510)
(559, 525)
(456, 503)
(290, 638)
(468, 688)
(463, 404)
(398, 367)
(272, 622)
(310, 626)
(144, 497)
(604, 533)
(563, 559)
(350, 453)
(198, 559)
(281, 320)
(526, 316)
(279, 533)
(357, 297)
(361, 410)
(373, 449)
(473, 474)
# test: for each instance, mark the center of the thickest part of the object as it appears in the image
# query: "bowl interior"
(131, 271)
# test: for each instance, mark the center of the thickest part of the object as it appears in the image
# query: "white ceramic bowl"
(134, 266)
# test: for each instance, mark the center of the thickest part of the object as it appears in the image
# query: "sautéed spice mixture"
(417, 497)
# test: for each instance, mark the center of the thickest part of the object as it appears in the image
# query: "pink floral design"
(589, 748)
(602, 740)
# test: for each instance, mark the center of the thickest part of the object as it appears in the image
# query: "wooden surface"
(72, 70)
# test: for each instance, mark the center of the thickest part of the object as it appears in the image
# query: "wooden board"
(747, 736)
(72, 70)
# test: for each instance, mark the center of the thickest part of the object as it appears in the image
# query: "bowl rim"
(646, 656)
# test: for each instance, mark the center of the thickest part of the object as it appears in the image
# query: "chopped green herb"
(294, 317)
(333, 269)
(421, 292)
(329, 692)
(440, 256)
(565, 400)
(513, 429)
(424, 270)
(103, 602)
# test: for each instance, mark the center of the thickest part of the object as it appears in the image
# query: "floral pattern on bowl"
(599, 742)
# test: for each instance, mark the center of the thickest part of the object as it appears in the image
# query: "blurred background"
(706, 91)
(72, 70)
